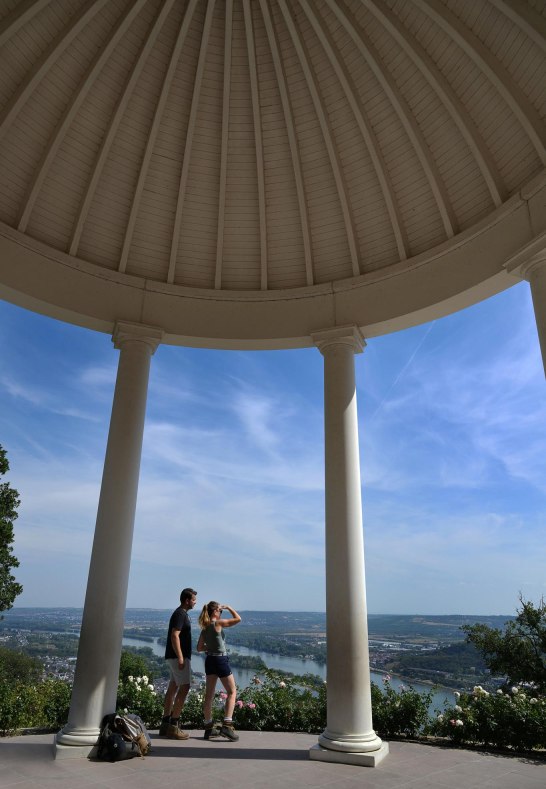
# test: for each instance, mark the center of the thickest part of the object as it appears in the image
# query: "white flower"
(138, 680)
(282, 684)
(145, 679)
(125, 710)
(130, 678)
(459, 722)
(515, 690)
(533, 701)
(457, 694)
(138, 688)
(151, 688)
(458, 709)
(499, 692)
(440, 718)
(154, 693)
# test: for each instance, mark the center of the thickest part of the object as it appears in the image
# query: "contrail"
(402, 371)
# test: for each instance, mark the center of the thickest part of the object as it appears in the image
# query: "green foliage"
(403, 713)
(17, 667)
(516, 719)
(276, 703)
(42, 705)
(137, 695)
(518, 652)
(280, 703)
(9, 501)
(134, 664)
(456, 659)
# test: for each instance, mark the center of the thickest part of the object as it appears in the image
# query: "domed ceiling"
(242, 173)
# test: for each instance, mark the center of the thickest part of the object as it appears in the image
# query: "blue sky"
(452, 433)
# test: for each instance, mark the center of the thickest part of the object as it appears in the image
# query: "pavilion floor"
(266, 760)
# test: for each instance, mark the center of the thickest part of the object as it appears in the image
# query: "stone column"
(349, 736)
(97, 668)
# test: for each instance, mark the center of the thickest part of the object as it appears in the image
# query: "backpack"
(117, 731)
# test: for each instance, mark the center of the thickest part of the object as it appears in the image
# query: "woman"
(212, 641)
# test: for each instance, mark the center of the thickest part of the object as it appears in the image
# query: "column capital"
(528, 260)
(125, 331)
(339, 335)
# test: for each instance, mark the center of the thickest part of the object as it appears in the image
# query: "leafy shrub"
(279, 703)
(276, 703)
(516, 719)
(41, 705)
(403, 713)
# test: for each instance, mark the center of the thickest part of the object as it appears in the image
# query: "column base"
(349, 743)
(359, 758)
(75, 744)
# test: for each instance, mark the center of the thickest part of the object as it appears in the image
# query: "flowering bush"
(513, 719)
(271, 704)
(399, 713)
(286, 704)
(137, 695)
(192, 714)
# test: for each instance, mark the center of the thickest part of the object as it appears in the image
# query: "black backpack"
(117, 733)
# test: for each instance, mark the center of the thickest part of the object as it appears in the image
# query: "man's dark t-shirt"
(179, 621)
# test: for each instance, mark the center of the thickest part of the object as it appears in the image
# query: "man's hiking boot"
(163, 727)
(228, 731)
(211, 730)
(174, 733)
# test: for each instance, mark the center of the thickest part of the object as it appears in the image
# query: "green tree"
(9, 501)
(519, 651)
(17, 667)
(133, 665)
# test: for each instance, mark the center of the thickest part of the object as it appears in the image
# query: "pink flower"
(223, 696)
(239, 703)
(387, 678)
(251, 706)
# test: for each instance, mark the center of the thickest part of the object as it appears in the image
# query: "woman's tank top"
(214, 642)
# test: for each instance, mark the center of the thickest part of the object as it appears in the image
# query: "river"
(243, 677)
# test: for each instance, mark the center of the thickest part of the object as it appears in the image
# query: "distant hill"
(387, 627)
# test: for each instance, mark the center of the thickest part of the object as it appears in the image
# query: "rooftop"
(264, 759)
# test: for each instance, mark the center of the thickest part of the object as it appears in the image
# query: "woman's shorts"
(218, 665)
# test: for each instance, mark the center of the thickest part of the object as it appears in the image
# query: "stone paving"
(262, 760)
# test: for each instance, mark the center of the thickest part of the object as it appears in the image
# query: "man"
(178, 657)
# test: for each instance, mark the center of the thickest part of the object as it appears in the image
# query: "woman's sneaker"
(211, 730)
(228, 731)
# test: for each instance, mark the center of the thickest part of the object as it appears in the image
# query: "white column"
(349, 736)
(535, 273)
(97, 668)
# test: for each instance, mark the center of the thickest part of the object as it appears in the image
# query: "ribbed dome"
(164, 157)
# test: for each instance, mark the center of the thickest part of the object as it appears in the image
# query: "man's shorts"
(180, 676)
(217, 665)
